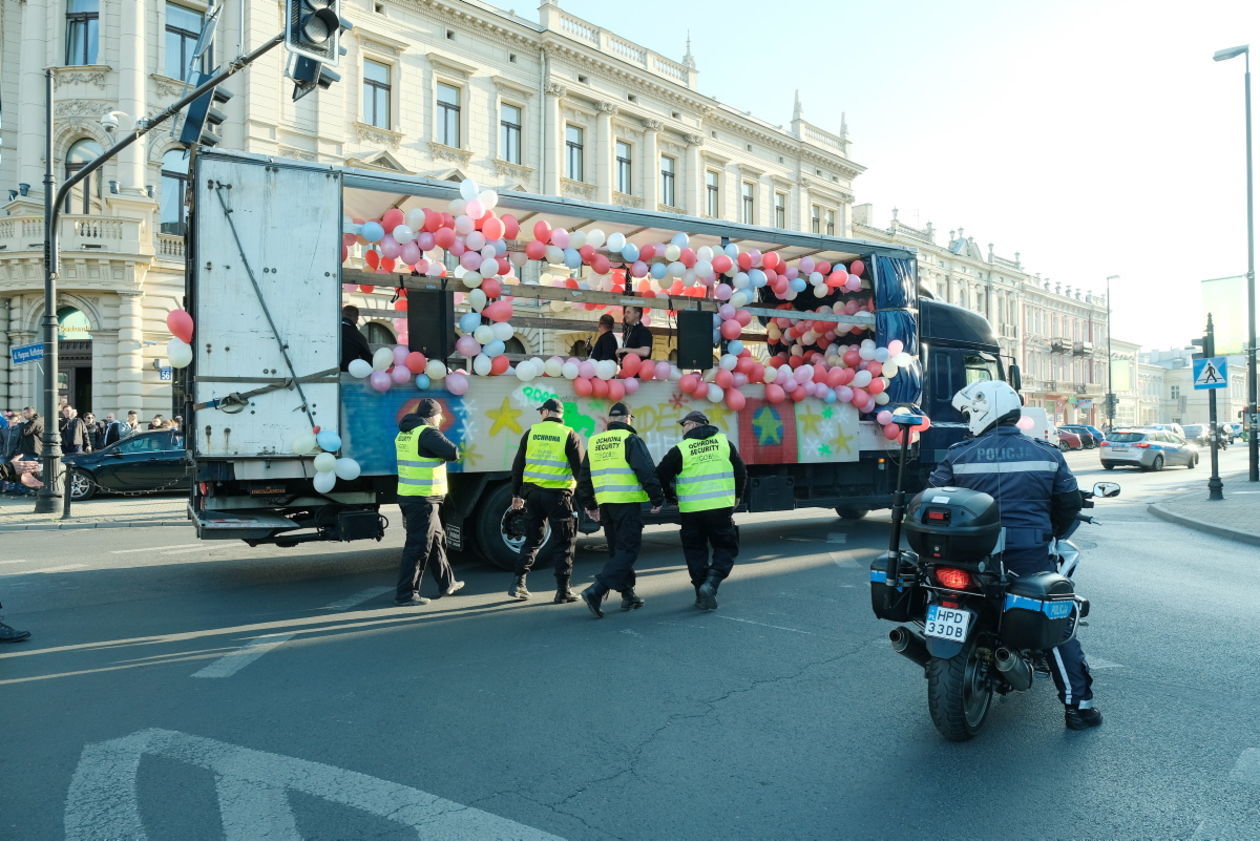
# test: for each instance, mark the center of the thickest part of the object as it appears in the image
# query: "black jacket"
(32, 439)
(572, 450)
(636, 337)
(605, 347)
(431, 443)
(354, 345)
(640, 461)
(669, 468)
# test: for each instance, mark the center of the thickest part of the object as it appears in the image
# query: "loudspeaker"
(431, 322)
(695, 339)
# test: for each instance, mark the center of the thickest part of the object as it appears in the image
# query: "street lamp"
(1253, 445)
(1111, 394)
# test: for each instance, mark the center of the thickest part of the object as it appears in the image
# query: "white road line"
(18, 561)
(199, 548)
(1097, 663)
(357, 599)
(153, 548)
(230, 664)
(61, 568)
(764, 625)
(843, 562)
(837, 537)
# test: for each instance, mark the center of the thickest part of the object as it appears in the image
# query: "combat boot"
(630, 600)
(706, 593)
(518, 590)
(593, 595)
(563, 594)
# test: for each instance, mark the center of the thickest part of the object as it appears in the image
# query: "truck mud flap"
(943, 649)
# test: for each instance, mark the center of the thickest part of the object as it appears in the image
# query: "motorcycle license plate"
(947, 623)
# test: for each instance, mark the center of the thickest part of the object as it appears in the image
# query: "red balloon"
(416, 362)
(511, 227)
(875, 367)
(724, 379)
(391, 219)
(444, 238)
(180, 324)
(616, 390)
(492, 228)
(600, 264)
(744, 317)
(757, 373)
(372, 258)
(735, 399)
(499, 364)
(892, 432)
(770, 260)
(774, 393)
(630, 364)
(582, 386)
(492, 287)
(799, 393)
(722, 264)
(647, 371)
(851, 357)
(387, 264)
(647, 252)
(745, 261)
(542, 231)
(688, 383)
(535, 249)
(599, 388)
(730, 329)
(687, 257)
(432, 220)
(701, 390)
(587, 252)
(856, 267)
(366, 288)
(345, 253)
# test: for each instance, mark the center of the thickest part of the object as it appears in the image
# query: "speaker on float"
(695, 339)
(431, 322)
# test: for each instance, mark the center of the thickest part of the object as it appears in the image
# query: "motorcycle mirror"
(1106, 490)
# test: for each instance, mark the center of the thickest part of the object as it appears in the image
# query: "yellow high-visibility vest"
(418, 475)
(611, 474)
(707, 479)
(546, 464)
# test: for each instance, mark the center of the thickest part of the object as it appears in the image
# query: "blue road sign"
(1212, 372)
(27, 353)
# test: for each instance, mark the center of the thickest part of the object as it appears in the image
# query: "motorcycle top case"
(902, 602)
(953, 524)
(1039, 611)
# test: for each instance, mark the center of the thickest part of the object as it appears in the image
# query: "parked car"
(1174, 428)
(1149, 449)
(145, 461)
(1069, 440)
(1199, 434)
(1091, 436)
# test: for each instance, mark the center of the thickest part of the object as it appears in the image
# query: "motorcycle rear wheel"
(959, 693)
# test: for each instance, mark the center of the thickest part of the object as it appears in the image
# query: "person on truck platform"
(547, 460)
(605, 343)
(354, 345)
(422, 452)
(618, 475)
(636, 337)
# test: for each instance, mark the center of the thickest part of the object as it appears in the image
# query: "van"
(1041, 428)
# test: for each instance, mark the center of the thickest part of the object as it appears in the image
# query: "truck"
(266, 279)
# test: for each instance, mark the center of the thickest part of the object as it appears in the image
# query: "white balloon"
(382, 359)
(477, 300)
(304, 442)
(457, 206)
(348, 469)
(882, 398)
(488, 199)
(903, 359)
(704, 252)
(472, 280)
(728, 361)
(616, 241)
(436, 369)
(889, 369)
(415, 218)
(525, 373)
(489, 268)
(404, 234)
(675, 374)
(360, 368)
(484, 334)
(555, 254)
(595, 238)
(179, 353)
(740, 300)
(554, 366)
(606, 369)
(468, 189)
(569, 370)
(671, 252)
(503, 331)
(325, 462)
(577, 239)
(324, 481)
(715, 393)
(862, 378)
(481, 365)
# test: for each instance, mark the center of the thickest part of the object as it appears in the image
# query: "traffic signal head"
(205, 115)
(312, 28)
(308, 75)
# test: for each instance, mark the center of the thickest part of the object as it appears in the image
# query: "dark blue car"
(144, 461)
(1091, 436)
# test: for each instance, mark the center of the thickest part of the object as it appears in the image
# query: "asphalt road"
(204, 691)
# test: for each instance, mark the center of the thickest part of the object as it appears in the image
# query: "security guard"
(422, 452)
(548, 459)
(618, 475)
(707, 476)
(1037, 497)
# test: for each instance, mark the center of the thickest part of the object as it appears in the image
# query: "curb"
(1163, 513)
(56, 525)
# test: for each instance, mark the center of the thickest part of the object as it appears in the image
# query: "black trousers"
(623, 528)
(425, 546)
(543, 506)
(702, 530)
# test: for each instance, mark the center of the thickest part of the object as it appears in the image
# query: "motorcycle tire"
(959, 693)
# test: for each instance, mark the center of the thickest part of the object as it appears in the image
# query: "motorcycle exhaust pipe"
(1014, 668)
(909, 645)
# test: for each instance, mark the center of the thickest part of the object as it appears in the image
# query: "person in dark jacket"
(31, 444)
(706, 475)
(22, 472)
(618, 476)
(95, 432)
(605, 343)
(636, 337)
(1038, 498)
(547, 460)
(75, 437)
(115, 430)
(354, 345)
(422, 452)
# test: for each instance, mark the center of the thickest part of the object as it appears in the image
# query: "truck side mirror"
(1016, 382)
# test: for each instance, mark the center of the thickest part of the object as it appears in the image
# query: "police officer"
(707, 476)
(547, 460)
(1038, 498)
(422, 451)
(618, 475)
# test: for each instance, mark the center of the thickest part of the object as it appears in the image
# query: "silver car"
(1149, 449)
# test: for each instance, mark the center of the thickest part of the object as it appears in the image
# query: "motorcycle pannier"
(1039, 612)
(900, 603)
(953, 524)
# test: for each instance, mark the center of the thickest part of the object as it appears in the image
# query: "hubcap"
(79, 486)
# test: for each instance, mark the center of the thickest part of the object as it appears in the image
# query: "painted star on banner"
(768, 427)
(504, 417)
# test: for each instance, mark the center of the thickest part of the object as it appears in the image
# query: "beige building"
(441, 88)
(1180, 402)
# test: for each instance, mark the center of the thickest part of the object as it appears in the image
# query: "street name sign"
(1211, 372)
(27, 353)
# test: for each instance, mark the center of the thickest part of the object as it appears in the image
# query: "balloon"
(631, 385)
(325, 462)
(503, 331)
(630, 364)
(359, 368)
(328, 440)
(569, 370)
(586, 369)
(477, 299)
(423, 382)
(324, 482)
(372, 231)
(647, 371)
(583, 387)
(480, 366)
(735, 399)
(303, 443)
(415, 362)
(347, 468)
(399, 374)
(179, 353)
(435, 370)
(774, 393)
(616, 389)
(380, 381)
(180, 324)
(457, 383)
(662, 371)
(467, 346)
(499, 365)
(1025, 423)
(382, 358)
(891, 431)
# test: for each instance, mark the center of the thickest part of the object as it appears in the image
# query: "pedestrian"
(547, 460)
(31, 444)
(176, 423)
(636, 337)
(158, 422)
(74, 433)
(618, 476)
(1037, 498)
(707, 477)
(354, 345)
(606, 342)
(133, 423)
(114, 430)
(95, 432)
(422, 452)
(22, 472)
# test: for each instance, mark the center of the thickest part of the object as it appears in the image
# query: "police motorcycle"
(974, 627)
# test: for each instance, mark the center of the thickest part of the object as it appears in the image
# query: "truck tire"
(497, 528)
(850, 513)
(959, 693)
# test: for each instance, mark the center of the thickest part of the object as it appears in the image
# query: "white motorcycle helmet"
(987, 402)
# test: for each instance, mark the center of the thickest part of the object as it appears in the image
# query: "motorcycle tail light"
(954, 579)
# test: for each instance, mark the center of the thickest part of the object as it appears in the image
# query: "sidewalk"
(17, 513)
(1234, 517)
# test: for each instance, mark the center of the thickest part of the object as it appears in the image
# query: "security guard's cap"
(619, 410)
(428, 407)
(551, 405)
(695, 417)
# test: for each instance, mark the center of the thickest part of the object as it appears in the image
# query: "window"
(83, 33)
(780, 210)
(574, 140)
(829, 222)
(668, 165)
(748, 201)
(624, 172)
(815, 218)
(376, 93)
(448, 114)
(82, 153)
(510, 133)
(172, 212)
(183, 28)
(1176, 392)
(712, 198)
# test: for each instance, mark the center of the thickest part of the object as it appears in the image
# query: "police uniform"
(422, 452)
(618, 475)
(707, 476)
(543, 475)
(1037, 497)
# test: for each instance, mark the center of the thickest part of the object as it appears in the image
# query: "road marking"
(1247, 769)
(18, 561)
(764, 625)
(154, 548)
(61, 568)
(358, 598)
(252, 788)
(837, 537)
(191, 549)
(843, 561)
(1213, 828)
(1098, 663)
(230, 664)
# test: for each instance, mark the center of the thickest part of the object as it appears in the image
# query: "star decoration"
(504, 417)
(768, 427)
(469, 456)
(843, 443)
(677, 399)
(827, 413)
(824, 449)
(809, 423)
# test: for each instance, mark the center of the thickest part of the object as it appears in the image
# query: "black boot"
(630, 600)
(593, 595)
(706, 593)
(699, 603)
(563, 594)
(518, 590)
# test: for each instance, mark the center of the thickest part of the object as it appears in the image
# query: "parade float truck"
(797, 346)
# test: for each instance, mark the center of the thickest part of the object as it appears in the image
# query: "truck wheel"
(959, 694)
(848, 513)
(500, 531)
(81, 485)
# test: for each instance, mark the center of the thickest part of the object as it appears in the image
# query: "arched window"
(82, 153)
(72, 324)
(514, 345)
(378, 334)
(174, 191)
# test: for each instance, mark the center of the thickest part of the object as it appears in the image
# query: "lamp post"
(1253, 445)
(1111, 394)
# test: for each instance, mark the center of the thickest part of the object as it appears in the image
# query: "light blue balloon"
(658, 270)
(328, 440)
(716, 337)
(572, 259)
(469, 321)
(630, 253)
(680, 239)
(500, 247)
(495, 348)
(732, 250)
(372, 231)
(797, 284)
(757, 278)
(830, 396)
(423, 382)
(717, 321)
(735, 347)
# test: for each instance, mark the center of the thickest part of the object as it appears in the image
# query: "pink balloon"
(180, 324)
(1025, 423)
(380, 381)
(735, 399)
(631, 385)
(586, 369)
(400, 375)
(884, 418)
(662, 370)
(731, 329)
(467, 346)
(456, 383)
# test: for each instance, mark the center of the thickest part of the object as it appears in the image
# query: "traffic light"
(205, 115)
(308, 75)
(312, 29)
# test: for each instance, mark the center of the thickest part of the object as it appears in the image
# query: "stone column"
(554, 133)
(651, 165)
(605, 152)
(30, 113)
(130, 351)
(694, 175)
(131, 91)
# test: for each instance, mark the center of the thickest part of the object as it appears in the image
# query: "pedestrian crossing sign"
(1211, 372)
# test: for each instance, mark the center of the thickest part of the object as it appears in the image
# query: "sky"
(1094, 137)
